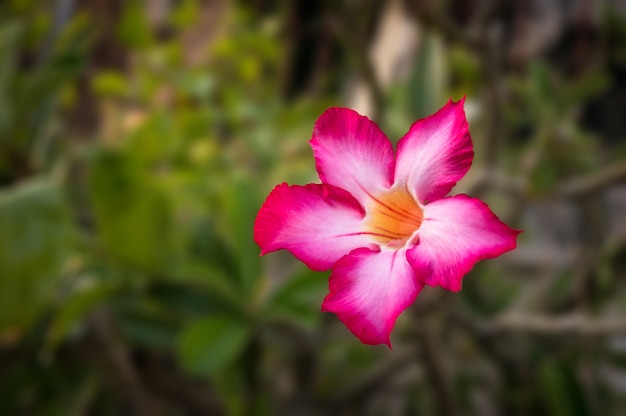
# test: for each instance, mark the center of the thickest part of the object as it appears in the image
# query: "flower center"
(393, 217)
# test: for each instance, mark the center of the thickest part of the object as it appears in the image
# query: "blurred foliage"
(129, 279)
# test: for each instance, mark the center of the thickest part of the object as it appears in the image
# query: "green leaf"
(543, 81)
(561, 391)
(208, 246)
(560, 290)
(40, 87)
(544, 176)
(145, 149)
(428, 81)
(191, 299)
(186, 14)
(73, 309)
(149, 326)
(587, 86)
(132, 214)
(34, 240)
(486, 293)
(9, 35)
(134, 29)
(300, 297)
(240, 211)
(109, 84)
(210, 345)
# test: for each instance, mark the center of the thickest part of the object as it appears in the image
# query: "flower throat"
(393, 217)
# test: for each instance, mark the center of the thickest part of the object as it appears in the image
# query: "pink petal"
(352, 153)
(456, 233)
(369, 289)
(318, 224)
(436, 152)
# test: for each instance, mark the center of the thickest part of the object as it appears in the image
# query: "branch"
(572, 325)
(163, 376)
(485, 11)
(492, 179)
(450, 30)
(351, 35)
(431, 360)
(478, 39)
(585, 185)
(119, 361)
(371, 382)
(578, 187)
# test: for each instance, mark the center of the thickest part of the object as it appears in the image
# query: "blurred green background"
(138, 139)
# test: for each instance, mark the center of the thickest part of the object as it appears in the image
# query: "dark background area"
(139, 138)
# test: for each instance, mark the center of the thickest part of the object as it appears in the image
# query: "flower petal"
(369, 289)
(456, 233)
(352, 153)
(436, 152)
(319, 224)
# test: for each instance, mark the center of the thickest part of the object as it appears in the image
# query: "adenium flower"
(383, 223)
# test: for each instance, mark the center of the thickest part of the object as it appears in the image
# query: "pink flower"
(383, 224)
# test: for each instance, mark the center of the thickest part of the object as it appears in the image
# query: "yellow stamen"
(393, 217)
